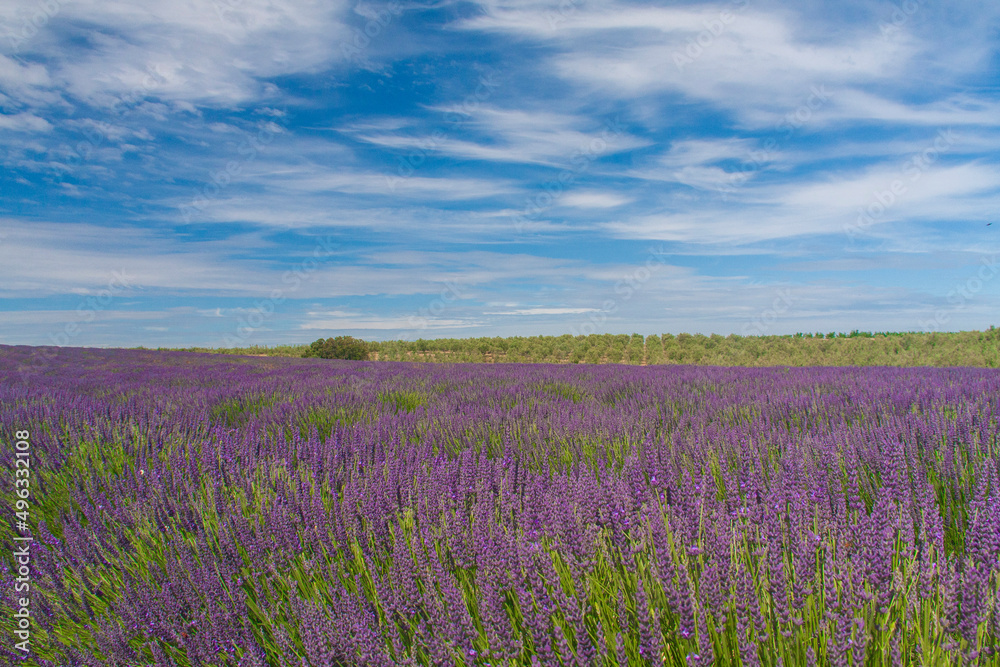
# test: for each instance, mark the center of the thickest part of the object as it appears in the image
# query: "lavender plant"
(203, 510)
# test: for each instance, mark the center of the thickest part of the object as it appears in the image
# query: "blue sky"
(241, 172)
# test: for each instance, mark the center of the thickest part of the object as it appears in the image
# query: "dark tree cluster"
(341, 347)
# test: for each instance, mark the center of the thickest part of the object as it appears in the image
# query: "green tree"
(341, 347)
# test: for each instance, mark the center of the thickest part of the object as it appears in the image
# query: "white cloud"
(916, 189)
(50, 258)
(829, 205)
(57, 317)
(24, 122)
(370, 183)
(543, 311)
(340, 320)
(593, 199)
(514, 135)
(954, 110)
(696, 152)
(759, 64)
(200, 51)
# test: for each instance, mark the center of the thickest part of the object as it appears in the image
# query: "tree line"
(857, 348)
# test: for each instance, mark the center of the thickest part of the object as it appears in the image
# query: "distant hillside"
(966, 348)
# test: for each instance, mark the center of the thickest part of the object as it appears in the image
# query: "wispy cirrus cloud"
(504, 167)
(510, 135)
(204, 51)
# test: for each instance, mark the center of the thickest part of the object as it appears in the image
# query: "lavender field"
(203, 510)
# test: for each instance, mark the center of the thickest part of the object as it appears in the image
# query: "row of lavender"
(198, 510)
